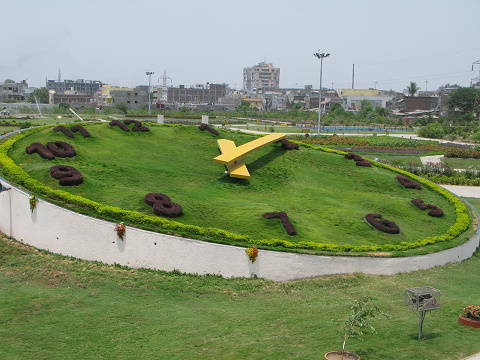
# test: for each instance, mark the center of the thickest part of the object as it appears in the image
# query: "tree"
(9, 81)
(41, 94)
(463, 99)
(122, 107)
(244, 106)
(64, 106)
(413, 88)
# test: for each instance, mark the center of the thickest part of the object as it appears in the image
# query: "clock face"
(325, 196)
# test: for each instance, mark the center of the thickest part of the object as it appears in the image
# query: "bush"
(211, 130)
(61, 149)
(383, 225)
(434, 131)
(81, 130)
(36, 147)
(120, 125)
(435, 210)
(408, 183)
(67, 175)
(462, 153)
(137, 127)
(287, 145)
(162, 206)
(64, 130)
(287, 225)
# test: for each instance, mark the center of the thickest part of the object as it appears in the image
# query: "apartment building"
(79, 86)
(260, 76)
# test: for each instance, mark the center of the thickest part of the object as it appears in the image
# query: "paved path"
(463, 191)
(435, 159)
(473, 357)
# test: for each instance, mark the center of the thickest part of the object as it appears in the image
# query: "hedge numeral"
(383, 225)
(162, 206)
(67, 175)
(408, 183)
(36, 147)
(285, 221)
(435, 211)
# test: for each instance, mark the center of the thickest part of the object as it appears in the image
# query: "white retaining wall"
(61, 231)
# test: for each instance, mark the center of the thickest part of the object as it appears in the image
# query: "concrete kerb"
(65, 232)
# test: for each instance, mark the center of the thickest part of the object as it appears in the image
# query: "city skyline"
(207, 41)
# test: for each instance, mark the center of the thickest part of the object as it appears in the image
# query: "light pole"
(320, 56)
(149, 73)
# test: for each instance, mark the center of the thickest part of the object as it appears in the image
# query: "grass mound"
(325, 195)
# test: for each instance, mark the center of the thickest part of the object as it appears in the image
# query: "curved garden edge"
(59, 230)
(19, 176)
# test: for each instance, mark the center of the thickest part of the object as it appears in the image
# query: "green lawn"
(52, 307)
(325, 195)
(471, 164)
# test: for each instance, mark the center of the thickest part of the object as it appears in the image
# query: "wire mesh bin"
(422, 298)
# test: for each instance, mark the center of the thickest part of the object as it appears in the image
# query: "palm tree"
(413, 88)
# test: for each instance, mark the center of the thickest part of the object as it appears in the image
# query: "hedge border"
(19, 176)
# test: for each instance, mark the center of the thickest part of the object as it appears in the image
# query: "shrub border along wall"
(19, 176)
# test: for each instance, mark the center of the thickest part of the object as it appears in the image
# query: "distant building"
(56, 98)
(260, 76)
(133, 98)
(198, 94)
(15, 91)
(80, 86)
(353, 98)
(428, 103)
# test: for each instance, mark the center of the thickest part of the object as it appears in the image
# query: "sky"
(197, 41)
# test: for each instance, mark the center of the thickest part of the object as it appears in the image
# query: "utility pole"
(476, 105)
(149, 73)
(320, 56)
(353, 76)
(164, 85)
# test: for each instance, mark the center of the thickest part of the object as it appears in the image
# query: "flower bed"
(61, 149)
(64, 130)
(462, 153)
(384, 151)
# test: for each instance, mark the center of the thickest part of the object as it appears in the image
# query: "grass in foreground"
(120, 168)
(57, 307)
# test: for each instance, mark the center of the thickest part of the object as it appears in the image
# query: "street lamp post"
(149, 73)
(320, 56)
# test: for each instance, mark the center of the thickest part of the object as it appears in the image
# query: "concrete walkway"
(463, 191)
(434, 159)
